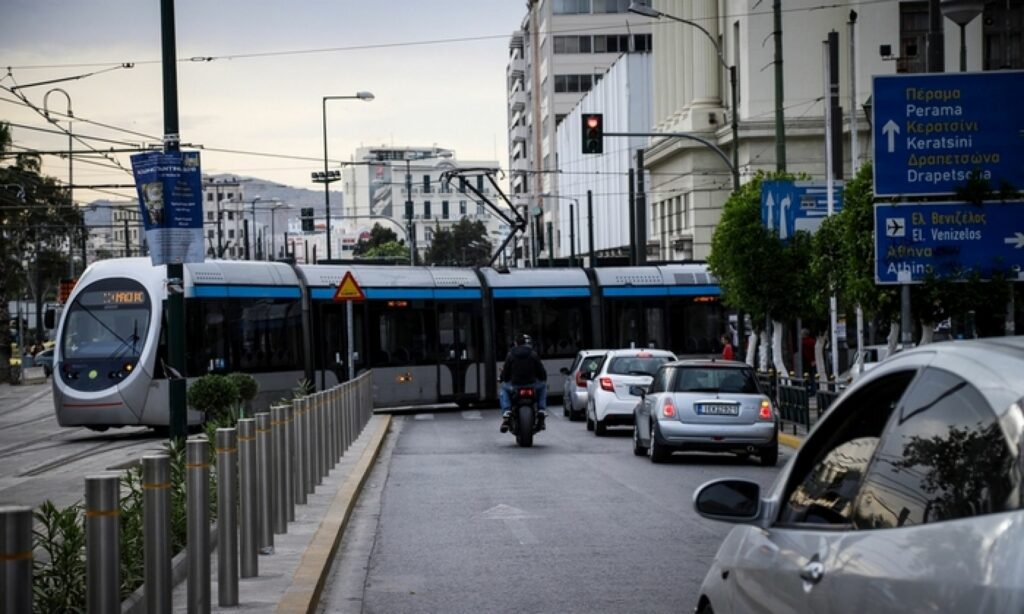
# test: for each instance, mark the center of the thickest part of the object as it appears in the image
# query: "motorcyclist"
(523, 368)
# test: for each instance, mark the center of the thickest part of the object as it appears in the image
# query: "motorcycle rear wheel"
(524, 424)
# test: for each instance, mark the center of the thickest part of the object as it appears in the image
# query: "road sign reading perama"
(931, 131)
(945, 240)
(348, 290)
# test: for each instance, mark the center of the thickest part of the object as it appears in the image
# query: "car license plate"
(717, 409)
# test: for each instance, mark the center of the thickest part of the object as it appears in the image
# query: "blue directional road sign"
(932, 130)
(789, 206)
(914, 241)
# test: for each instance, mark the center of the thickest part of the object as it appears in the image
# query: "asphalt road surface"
(456, 518)
(40, 460)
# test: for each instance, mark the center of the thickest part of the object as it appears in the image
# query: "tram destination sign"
(915, 241)
(931, 131)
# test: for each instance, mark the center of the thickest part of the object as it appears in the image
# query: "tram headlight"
(128, 367)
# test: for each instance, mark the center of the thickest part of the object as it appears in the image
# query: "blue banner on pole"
(170, 191)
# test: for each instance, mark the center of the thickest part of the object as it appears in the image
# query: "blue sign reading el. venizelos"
(170, 190)
(932, 131)
(917, 241)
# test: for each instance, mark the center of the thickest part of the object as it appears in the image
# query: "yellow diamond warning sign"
(349, 290)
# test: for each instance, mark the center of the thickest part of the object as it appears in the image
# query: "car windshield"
(714, 379)
(636, 365)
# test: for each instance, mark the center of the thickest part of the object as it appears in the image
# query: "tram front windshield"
(108, 321)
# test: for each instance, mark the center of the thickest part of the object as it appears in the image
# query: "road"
(40, 460)
(456, 518)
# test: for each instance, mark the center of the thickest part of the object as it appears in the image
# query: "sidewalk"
(290, 579)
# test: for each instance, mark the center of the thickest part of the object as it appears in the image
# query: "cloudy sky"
(251, 77)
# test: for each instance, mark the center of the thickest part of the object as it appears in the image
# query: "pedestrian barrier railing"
(264, 467)
(792, 396)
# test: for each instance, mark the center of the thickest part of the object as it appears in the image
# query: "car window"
(662, 379)
(943, 456)
(715, 379)
(625, 365)
(592, 363)
(830, 466)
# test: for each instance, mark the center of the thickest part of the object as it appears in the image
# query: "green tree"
(394, 250)
(39, 222)
(465, 244)
(379, 236)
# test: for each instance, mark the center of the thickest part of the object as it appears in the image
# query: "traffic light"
(593, 133)
(307, 219)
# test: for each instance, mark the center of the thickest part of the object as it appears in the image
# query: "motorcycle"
(525, 419)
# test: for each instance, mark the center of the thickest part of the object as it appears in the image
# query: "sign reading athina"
(349, 290)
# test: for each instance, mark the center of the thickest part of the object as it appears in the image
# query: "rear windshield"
(636, 365)
(591, 363)
(711, 379)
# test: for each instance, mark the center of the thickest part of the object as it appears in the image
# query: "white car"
(609, 398)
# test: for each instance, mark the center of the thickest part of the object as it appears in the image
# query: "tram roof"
(370, 276)
(663, 275)
(536, 278)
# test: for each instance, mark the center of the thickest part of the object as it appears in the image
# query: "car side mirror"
(638, 391)
(564, 371)
(730, 500)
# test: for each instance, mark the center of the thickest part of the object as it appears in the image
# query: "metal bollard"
(321, 433)
(351, 420)
(227, 517)
(289, 461)
(248, 497)
(347, 428)
(15, 558)
(156, 512)
(301, 457)
(103, 543)
(265, 484)
(280, 497)
(197, 487)
(332, 429)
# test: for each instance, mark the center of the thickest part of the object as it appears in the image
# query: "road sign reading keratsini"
(915, 241)
(933, 131)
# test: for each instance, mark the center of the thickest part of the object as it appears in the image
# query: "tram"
(429, 335)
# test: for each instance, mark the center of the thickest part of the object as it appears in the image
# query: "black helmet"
(523, 339)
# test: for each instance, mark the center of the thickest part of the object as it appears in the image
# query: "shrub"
(59, 574)
(213, 394)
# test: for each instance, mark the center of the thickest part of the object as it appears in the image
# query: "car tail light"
(526, 392)
(668, 409)
(606, 384)
(581, 382)
(765, 413)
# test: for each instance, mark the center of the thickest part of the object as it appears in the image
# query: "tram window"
(248, 335)
(401, 336)
(559, 327)
(695, 325)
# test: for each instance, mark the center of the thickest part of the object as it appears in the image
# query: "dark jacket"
(523, 366)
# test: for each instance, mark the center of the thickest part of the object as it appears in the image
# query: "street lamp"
(328, 177)
(252, 235)
(273, 228)
(962, 12)
(71, 188)
(647, 11)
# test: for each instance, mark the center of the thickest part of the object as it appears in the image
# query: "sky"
(435, 67)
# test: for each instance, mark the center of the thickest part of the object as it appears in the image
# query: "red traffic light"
(593, 133)
(593, 121)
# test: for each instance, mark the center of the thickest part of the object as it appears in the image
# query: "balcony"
(519, 133)
(517, 100)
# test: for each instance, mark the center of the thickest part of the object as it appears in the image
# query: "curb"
(790, 441)
(303, 596)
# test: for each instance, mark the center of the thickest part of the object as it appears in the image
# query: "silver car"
(705, 405)
(574, 388)
(908, 495)
(610, 390)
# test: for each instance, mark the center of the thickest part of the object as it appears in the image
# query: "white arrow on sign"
(1018, 238)
(891, 129)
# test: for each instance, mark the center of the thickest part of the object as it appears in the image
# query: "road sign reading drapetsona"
(931, 131)
(945, 240)
(349, 290)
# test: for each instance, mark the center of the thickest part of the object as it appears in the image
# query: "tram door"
(459, 369)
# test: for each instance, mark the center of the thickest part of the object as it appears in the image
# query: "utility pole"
(175, 271)
(641, 210)
(590, 226)
(632, 216)
(780, 112)
(936, 48)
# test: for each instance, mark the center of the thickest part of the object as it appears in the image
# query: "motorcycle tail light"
(668, 409)
(765, 413)
(606, 384)
(526, 392)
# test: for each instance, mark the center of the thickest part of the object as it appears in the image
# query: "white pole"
(854, 154)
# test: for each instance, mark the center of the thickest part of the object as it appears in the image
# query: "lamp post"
(647, 11)
(962, 12)
(273, 228)
(71, 187)
(254, 254)
(328, 178)
(574, 205)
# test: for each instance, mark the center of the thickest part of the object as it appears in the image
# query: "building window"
(611, 43)
(462, 208)
(642, 42)
(570, 7)
(209, 215)
(426, 209)
(1002, 35)
(572, 44)
(231, 233)
(209, 234)
(480, 209)
(462, 184)
(426, 184)
(209, 197)
(913, 37)
(231, 196)
(444, 209)
(572, 84)
(231, 215)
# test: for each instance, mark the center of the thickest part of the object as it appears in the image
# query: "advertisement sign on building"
(169, 187)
